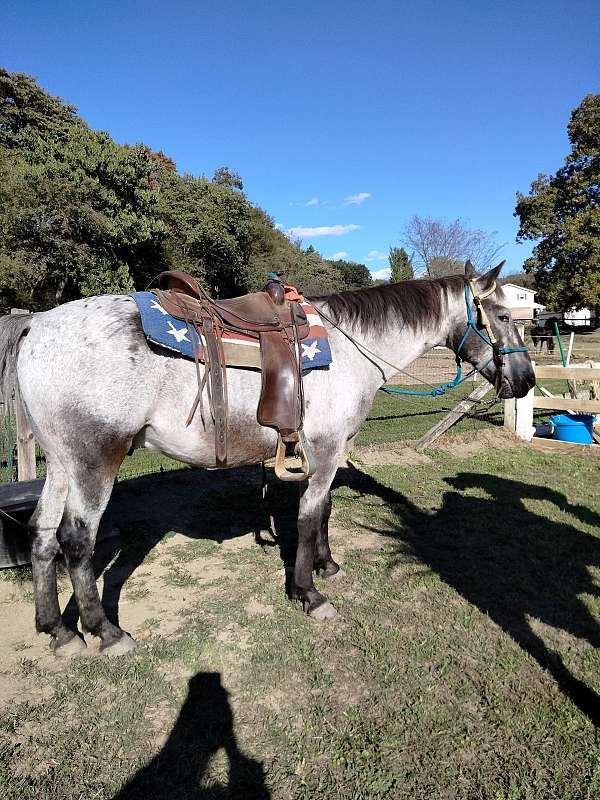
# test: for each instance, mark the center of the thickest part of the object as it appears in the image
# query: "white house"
(521, 301)
(575, 317)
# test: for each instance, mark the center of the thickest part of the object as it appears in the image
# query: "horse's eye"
(503, 317)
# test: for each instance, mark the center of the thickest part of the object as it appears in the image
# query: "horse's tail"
(12, 329)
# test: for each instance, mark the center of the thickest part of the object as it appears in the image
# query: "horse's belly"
(198, 448)
(247, 441)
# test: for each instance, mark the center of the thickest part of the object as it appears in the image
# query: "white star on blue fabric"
(179, 334)
(158, 307)
(310, 350)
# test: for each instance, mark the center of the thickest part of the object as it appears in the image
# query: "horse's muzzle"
(516, 385)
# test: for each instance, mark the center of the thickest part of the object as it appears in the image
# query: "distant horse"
(93, 389)
(544, 334)
(541, 336)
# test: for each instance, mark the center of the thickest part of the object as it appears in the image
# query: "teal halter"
(487, 335)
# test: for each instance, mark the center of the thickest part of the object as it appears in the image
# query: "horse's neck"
(378, 355)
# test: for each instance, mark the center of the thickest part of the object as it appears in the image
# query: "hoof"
(323, 611)
(332, 576)
(72, 647)
(118, 647)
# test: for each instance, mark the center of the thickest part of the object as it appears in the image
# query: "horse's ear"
(486, 281)
(470, 272)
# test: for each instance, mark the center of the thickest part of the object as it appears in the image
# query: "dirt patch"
(460, 445)
(14, 689)
(464, 445)
(343, 539)
(256, 609)
(386, 454)
(235, 636)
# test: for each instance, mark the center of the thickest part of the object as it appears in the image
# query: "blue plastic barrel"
(573, 427)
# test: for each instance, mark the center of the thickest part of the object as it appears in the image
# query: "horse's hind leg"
(90, 487)
(44, 549)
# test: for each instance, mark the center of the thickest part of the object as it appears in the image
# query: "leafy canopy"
(82, 215)
(562, 213)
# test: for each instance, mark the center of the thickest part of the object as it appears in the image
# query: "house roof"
(518, 286)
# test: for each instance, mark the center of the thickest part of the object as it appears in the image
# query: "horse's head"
(486, 337)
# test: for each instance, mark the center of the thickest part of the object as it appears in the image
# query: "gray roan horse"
(93, 389)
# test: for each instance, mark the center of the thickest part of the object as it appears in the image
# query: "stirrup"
(303, 453)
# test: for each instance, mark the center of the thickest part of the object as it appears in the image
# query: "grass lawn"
(463, 663)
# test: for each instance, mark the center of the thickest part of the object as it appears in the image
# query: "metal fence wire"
(437, 367)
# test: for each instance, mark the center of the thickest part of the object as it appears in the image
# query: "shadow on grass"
(201, 504)
(511, 563)
(441, 410)
(204, 726)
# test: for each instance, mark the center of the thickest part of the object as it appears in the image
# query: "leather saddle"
(279, 326)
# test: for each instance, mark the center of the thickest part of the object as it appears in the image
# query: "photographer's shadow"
(204, 726)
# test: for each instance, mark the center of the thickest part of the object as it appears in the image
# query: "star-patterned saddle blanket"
(166, 331)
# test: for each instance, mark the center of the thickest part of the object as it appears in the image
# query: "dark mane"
(416, 302)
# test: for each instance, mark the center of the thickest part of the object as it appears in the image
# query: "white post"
(524, 415)
(510, 414)
(570, 350)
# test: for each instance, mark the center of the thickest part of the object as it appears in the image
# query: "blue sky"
(343, 118)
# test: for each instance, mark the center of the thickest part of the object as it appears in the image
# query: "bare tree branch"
(437, 242)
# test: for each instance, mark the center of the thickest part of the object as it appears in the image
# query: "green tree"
(400, 264)
(77, 211)
(81, 214)
(225, 177)
(562, 213)
(352, 274)
(519, 279)
(311, 273)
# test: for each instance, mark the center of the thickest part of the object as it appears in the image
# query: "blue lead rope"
(438, 391)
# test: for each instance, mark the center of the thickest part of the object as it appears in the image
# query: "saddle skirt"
(240, 350)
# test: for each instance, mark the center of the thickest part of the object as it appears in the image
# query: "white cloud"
(341, 254)
(325, 230)
(375, 255)
(314, 201)
(356, 199)
(382, 274)
(279, 226)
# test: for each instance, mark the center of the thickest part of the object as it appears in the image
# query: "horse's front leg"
(313, 516)
(324, 565)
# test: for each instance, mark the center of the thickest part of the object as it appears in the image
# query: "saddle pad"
(164, 330)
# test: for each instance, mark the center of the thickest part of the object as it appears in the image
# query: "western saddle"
(279, 325)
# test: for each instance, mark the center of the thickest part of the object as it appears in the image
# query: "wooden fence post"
(26, 469)
(450, 419)
(25, 443)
